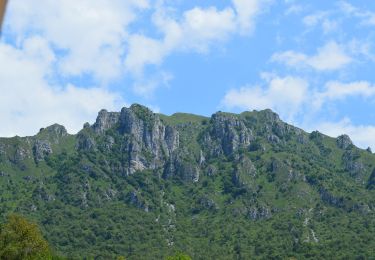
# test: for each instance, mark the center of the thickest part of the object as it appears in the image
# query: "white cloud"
(294, 9)
(196, 29)
(335, 90)
(361, 135)
(329, 57)
(367, 17)
(314, 19)
(146, 87)
(247, 11)
(204, 26)
(28, 102)
(284, 95)
(89, 34)
(138, 57)
(322, 19)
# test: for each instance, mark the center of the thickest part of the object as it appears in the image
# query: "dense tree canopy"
(21, 239)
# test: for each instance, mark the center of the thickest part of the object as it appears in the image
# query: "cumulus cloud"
(286, 95)
(247, 11)
(88, 34)
(331, 56)
(335, 90)
(196, 30)
(314, 19)
(28, 101)
(367, 17)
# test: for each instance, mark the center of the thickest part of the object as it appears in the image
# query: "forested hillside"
(232, 186)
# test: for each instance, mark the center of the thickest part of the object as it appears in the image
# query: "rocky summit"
(232, 186)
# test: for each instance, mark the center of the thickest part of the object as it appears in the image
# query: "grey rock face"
(42, 194)
(135, 199)
(273, 139)
(259, 213)
(270, 116)
(150, 142)
(331, 199)
(85, 142)
(211, 170)
(177, 167)
(354, 166)
(105, 121)
(301, 137)
(41, 149)
(245, 172)
(53, 132)
(208, 203)
(316, 136)
(21, 154)
(229, 133)
(344, 142)
(108, 144)
(283, 173)
(172, 139)
(371, 181)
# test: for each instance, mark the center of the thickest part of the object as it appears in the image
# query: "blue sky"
(310, 61)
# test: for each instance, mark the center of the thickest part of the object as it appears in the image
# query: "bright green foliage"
(22, 240)
(179, 256)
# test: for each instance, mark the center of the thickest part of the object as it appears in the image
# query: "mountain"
(232, 186)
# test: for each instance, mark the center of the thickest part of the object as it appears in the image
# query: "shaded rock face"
(354, 166)
(259, 213)
(207, 203)
(135, 199)
(316, 136)
(176, 166)
(85, 142)
(41, 149)
(273, 128)
(228, 134)
(42, 194)
(330, 198)
(282, 172)
(344, 142)
(371, 181)
(244, 173)
(21, 154)
(54, 132)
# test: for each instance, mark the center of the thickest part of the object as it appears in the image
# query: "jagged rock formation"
(343, 142)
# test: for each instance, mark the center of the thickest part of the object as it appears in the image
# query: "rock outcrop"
(228, 134)
(344, 142)
(41, 149)
(105, 120)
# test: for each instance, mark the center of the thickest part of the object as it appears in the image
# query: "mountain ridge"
(145, 185)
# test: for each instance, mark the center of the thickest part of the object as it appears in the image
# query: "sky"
(312, 62)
